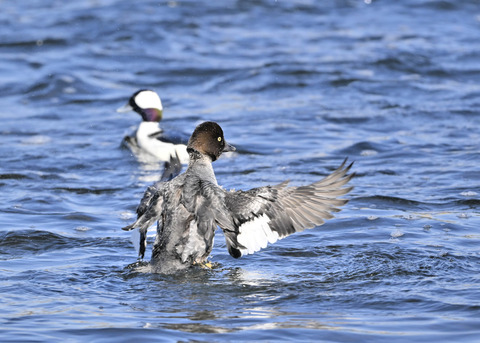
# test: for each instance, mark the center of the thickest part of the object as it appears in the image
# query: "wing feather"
(266, 214)
(149, 211)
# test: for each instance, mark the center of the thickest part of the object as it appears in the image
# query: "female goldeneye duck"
(188, 208)
(149, 136)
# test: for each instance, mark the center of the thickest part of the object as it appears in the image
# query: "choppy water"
(297, 86)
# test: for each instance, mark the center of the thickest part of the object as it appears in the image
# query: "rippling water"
(297, 86)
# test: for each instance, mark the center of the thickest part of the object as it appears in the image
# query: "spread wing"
(148, 212)
(150, 208)
(171, 168)
(266, 214)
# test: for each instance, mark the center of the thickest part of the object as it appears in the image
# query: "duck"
(149, 139)
(189, 207)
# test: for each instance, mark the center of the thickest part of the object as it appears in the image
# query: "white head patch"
(148, 99)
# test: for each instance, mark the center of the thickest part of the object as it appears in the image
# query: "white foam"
(397, 233)
(36, 140)
(469, 193)
(82, 228)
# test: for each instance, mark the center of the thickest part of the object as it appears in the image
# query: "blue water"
(297, 86)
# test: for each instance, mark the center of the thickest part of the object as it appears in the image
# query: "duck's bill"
(229, 147)
(125, 108)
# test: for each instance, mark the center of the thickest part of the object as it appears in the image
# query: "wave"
(13, 176)
(21, 242)
(383, 202)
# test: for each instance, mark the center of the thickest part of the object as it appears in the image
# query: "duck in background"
(188, 208)
(149, 138)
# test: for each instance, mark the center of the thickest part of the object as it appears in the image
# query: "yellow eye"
(219, 139)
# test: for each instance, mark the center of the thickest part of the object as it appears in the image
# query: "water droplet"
(127, 215)
(368, 152)
(36, 140)
(69, 90)
(67, 79)
(397, 233)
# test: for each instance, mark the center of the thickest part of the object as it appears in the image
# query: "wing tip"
(234, 252)
(128, 227)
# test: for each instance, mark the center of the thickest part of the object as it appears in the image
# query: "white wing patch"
(256, 234)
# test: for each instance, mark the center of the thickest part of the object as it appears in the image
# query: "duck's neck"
(148, 127)
(201, 165)
(151, 114)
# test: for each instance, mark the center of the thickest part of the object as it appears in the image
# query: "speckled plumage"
(191, 206)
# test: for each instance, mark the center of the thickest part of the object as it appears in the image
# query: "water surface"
(297, 86)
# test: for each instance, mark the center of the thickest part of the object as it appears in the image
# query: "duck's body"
(189, 208)
(186, 226)
(149, 139)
